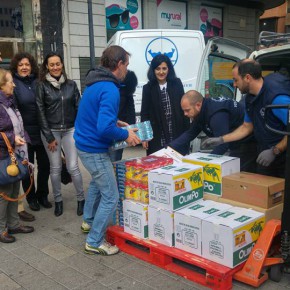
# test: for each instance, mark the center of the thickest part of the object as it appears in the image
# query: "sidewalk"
(53, 258)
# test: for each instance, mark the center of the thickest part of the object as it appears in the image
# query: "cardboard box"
(161, 225)
(274, 212)
(187, 224)
(228, 238)
(214, 168)
(135, 218)
(175, 186)
(169, 153)
(254, 189)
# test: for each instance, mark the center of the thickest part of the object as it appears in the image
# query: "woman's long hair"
(43, 68)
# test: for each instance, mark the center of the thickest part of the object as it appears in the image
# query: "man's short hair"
(112, 55)
(248, 66)
(193, 97)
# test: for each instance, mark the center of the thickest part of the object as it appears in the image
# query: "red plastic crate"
(189, 266)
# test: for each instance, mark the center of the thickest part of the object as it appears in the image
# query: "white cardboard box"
(135, 218)
(175, 186)
(169, 153)
(188, 224)
(228, 238)
(214, 168)
(161, 225)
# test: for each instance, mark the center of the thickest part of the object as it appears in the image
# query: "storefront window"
(11, 24)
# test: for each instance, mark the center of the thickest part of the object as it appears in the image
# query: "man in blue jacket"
(260, 92)
(96, 128)
(216, 117)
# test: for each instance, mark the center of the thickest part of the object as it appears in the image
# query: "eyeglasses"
(115, 18)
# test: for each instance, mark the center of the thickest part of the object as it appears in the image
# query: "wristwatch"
(276, 150)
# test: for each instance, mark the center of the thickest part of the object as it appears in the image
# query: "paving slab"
(70, 278)
(58, 251)
(38, 281)
(7, 283)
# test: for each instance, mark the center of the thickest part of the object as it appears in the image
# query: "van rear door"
(136, 42)
(215, 71)
(185, 49)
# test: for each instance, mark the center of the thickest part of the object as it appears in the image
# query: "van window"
(217, 77)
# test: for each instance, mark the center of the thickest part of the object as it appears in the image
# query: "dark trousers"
(42, 173)
(247, 152)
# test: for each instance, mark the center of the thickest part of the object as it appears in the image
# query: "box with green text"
(228, 238)
(175, 186)
(214, 168)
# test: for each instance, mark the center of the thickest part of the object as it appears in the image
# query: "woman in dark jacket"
(57, 100)
(11, 124)
(161, 98)
(127, 107)
(25, 72)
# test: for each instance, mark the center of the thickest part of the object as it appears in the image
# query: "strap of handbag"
(13, 161)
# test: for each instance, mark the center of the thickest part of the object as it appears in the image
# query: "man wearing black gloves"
(260, 92)
(216, 117)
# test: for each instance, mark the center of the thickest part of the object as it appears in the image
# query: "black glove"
(215, 141)
(266, 157)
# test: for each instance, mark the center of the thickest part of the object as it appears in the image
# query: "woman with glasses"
(57, 99)
(161, 98)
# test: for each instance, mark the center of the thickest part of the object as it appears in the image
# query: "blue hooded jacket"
(96, 122)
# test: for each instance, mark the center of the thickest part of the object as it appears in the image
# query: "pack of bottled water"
(145, 133)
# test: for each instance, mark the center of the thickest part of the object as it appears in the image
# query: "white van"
(183, 47)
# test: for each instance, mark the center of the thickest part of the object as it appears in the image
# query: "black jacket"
(127, 106)
(274, 85)
(151, 110)
(216, 118)
(24, 94)
(57, 109)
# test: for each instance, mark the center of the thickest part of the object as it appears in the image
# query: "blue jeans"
(65, 140)
(102, 197)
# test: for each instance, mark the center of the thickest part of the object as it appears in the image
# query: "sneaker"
(85, 227)
(105, 249)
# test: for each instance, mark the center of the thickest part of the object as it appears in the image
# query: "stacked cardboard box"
(171, 188)
(135, 205)
(214, 168)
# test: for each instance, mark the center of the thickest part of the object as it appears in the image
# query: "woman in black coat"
(25, 72)
(161, 98)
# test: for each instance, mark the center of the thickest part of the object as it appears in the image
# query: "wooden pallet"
(189, 266)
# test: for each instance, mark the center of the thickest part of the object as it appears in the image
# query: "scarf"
(56, 83)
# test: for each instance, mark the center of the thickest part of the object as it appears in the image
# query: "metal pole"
(91, 35)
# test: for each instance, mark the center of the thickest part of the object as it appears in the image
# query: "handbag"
(65, 176)
(14, 168)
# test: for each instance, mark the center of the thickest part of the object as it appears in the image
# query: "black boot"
(44, 202)
(58, 209)
(80, 209)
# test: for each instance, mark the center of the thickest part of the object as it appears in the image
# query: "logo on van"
(168, 47)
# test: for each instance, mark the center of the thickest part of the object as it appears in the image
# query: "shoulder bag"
(14, 168)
